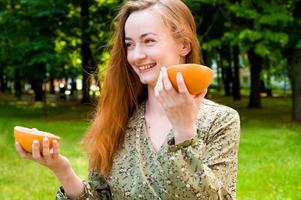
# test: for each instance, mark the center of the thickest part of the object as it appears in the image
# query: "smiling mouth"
(146, 67)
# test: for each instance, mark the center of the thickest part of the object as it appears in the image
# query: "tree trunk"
(2, 80)
(236, 82)
(269, 90)
(73, 86)
(37, 86)
(37, 81)
(227, 80)
(255, 65)
(218, 78)
(227, 77)
(87, 60)
(204, 59)
(296, 68)
(52, 91)
(17, 85)
(296, 84)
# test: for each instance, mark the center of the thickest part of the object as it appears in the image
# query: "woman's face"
(150, 45)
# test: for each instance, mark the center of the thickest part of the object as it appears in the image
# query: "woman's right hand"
(50, 158)
(60, 165)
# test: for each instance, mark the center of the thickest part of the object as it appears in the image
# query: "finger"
(46, 153)
(158, 79)
(203, 93)
(159, 83)
(166, 82)
(36, 150)
(181, 84)
(157, 87)
(156, 90)
(55, 148)
(22, 152)
(198, 98)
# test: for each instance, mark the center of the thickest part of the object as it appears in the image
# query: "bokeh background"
(53, 57)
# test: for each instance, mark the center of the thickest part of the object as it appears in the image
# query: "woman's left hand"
(180, 107)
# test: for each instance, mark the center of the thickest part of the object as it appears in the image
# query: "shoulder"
(216, 120)
(211, 110)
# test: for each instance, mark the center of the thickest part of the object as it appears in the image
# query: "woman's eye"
(128, 44)
(148, 41)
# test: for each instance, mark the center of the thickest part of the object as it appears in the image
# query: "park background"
(53, 58)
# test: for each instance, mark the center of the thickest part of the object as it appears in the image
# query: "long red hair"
(122, 91)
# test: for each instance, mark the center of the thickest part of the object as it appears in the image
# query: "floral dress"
(204, 167)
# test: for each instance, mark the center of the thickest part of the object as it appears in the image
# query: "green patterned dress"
(204, 167)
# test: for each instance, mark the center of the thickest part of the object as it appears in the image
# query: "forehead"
(144, 21)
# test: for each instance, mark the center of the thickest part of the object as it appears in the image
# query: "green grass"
(269, 154)
(270, 151)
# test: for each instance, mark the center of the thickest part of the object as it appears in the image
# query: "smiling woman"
(149, 140)
(148, 40)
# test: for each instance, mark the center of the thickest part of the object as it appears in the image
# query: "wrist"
(73, 185)
(182, 135)
(64, 174)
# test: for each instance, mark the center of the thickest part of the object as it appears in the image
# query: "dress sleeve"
(96, 188)
(205, 168)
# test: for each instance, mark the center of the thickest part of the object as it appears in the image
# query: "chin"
(150, 82)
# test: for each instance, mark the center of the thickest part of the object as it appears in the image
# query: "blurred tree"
(2, 45)
(30, 30)
(88, 64)
(94, 36)
(236, 79)
(295, 47)
(231, 28)
(48, 40)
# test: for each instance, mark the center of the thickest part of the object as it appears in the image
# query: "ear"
(185, 48)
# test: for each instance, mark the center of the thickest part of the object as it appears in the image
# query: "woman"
(147, 140)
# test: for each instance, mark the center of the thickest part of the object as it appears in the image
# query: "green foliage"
(48, 33)
(263, 26)
(243, 10)
(28, 38)
(298, 44)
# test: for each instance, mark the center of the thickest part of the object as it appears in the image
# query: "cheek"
(130, 60)
(128, 57)
(170, 53)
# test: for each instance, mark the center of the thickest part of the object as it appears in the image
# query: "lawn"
(269, 154)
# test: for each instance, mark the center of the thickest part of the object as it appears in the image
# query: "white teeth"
(144, 67)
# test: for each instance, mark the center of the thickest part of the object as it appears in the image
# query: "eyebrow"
(142, 36)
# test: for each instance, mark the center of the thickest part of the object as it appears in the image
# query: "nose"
(138, 53)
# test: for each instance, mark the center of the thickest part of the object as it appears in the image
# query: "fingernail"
(156, 92)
